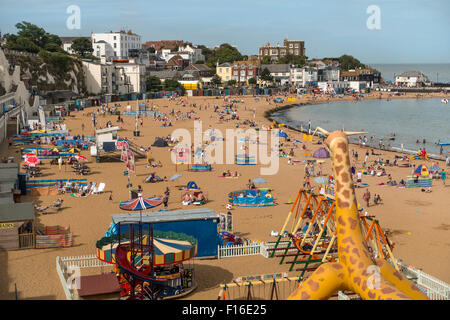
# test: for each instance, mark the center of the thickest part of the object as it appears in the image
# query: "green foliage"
(216, 80)
(231, 82)
(31, 38)
(266, 60)
(299, 61)
(252, 81)
(348, 62)
(153, 83)
(172, 85)
(60, 62)
(224, 53)
(151, 50)
(82, 46)
(265, 75)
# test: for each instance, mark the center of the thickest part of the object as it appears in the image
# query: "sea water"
(409, 119)
(436, 72)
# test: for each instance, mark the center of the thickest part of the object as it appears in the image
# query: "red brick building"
(242, 71)
(165, 44)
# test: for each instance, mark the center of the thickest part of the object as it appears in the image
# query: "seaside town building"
(165, 44)
(224, 71)
(289, 47)
(114, 78)
(115, 45)
(412, 79)
(280, 72)
(67, 43)
(242, 71)
(368, 75)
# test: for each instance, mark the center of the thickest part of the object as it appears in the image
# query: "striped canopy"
(140, 204)
(167, 251)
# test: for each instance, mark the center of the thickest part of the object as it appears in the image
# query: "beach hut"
(321, 153)
(17, 226)
(200, 224)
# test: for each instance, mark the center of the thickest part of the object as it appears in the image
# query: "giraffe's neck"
(348, 227)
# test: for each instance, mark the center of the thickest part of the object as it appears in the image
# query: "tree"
(266, 76)
(216, 80)
(299, 61)
(252, 81)
(82, 46)
(266, 60)
(231, 82)
(348, 62)
(172, 85)
(153, 83)
(224, 53)
(151, 50)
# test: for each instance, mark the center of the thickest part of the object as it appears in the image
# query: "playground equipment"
(251, 198)
(140, 203)
(149, 268)
(355, 265)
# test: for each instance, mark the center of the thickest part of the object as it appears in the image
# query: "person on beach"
(366, 197)
(443, 176)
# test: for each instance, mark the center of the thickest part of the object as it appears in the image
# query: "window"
(114, 37)
(250, 73)
(115, 45)
(296, 52)
(296, 45)
(242, 73)
(291, 45)
(235, 73)
(266, 52)
(291, 51)
(283, 52)
(274, 52)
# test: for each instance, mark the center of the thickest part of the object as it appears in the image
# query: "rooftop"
(16, 212)
(165, 216)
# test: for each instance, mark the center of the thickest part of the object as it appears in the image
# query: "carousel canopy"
(140, 204)
(167, 251)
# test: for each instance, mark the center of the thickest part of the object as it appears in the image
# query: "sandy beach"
(419, 221)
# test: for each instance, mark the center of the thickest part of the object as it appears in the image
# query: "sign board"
(6, 225)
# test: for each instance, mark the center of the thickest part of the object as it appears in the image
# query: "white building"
(280, 73)
(134, 76)
(303, 77)
(411, 79)
(104, 77)
(196, 55)
(115, 44)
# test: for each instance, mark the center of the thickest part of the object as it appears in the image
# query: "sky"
(408, 31)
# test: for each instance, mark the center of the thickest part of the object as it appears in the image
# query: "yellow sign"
(6, 225)
(292, 99)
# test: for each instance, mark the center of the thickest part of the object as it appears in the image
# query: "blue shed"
(198, 223)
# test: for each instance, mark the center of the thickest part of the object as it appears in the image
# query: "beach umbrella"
(421, 170)
(434, 168)
(175, 177)
(32, 160)
(30, 154)
(259, 180)
(74, 150)
(81, 158)
(321, 153)
(282, 134)
(140, 204)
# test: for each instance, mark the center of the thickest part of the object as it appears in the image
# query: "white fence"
(66, 264)
(238, 250)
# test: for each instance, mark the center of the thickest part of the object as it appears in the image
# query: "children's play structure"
(353, 267)
(140, 204)
(150, 264)
(251, 198)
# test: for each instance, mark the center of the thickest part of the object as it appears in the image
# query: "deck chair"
(100, 189)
